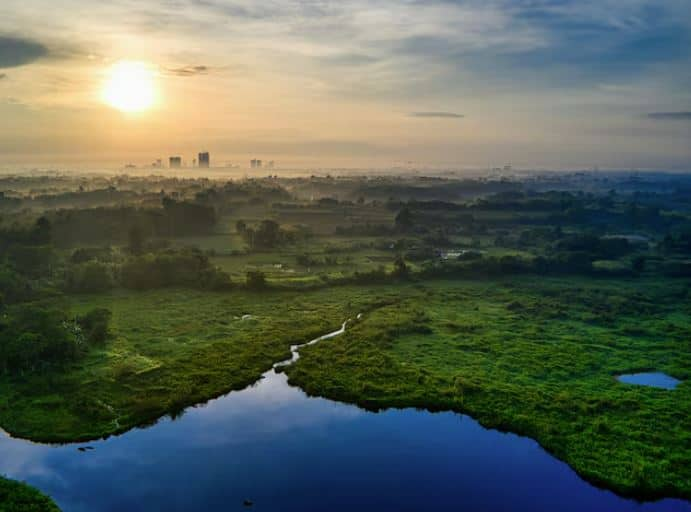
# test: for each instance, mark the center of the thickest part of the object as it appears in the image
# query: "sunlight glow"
(130, 86)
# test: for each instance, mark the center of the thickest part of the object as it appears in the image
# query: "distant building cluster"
(176, 162)
(256, 163)
(203, 161)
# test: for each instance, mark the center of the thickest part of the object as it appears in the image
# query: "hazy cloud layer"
(670, 116)
(188, 71)
(16, 51)
(439, 115)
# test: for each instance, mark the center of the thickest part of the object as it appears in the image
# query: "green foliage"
(400, 268)
(187, 267)
(84, 254)
(31, 260)
(34, 337)
(13, 286)
(89, 277)
(94, 325)
(594, 246)
(135, 240)
(267, 235)
(404, 219)
(256, 280)
(19, 497)
(114, 224)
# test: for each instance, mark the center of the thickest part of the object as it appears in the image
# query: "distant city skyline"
(455, 83)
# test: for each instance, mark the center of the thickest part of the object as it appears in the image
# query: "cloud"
(16, 51)
(669, 116)
(438, 115)
(348, 59)
(189, 71)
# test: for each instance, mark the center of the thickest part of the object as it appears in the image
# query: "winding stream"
(284, 451)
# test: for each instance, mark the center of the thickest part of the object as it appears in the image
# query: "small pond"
(652, 379)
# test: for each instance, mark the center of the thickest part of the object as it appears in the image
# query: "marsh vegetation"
(517, 301)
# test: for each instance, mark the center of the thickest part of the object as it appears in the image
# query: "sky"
(549, 84)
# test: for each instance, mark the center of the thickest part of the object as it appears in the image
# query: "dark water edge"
(285, 451)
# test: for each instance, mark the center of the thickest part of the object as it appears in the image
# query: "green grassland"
(536, 357)
(169, 349)
(19, 497)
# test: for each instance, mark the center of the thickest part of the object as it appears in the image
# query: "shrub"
(89, 277)
(94, 325)
(256, 280)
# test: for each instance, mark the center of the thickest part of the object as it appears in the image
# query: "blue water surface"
(652, 379)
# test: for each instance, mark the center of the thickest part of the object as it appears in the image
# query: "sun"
(130, 86)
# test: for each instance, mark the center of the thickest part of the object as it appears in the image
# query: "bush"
(89, 277)
(33, 261)
(84, 254)
(188, 267)
(19, 497)
(400, 268)
(33, 337)
(13, 286)
(256, 280)
(94, 325)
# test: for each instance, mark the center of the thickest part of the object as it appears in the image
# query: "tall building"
(175, 162)
(259, 163)
(204, 160)
(253, 163)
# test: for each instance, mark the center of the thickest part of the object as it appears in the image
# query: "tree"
(638, 264)
(89, 277)
(400, 268)
(33, 337)
(135, 240)
(42, 231)
(241, 226)
(94, 325)
(404, 219)
(256, 280)
(266, 236)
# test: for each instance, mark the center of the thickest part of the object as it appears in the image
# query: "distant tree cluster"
(119, 224)
(35, 337)
(186, 267)
(267, 235)
(594, 246)
(678, 240)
